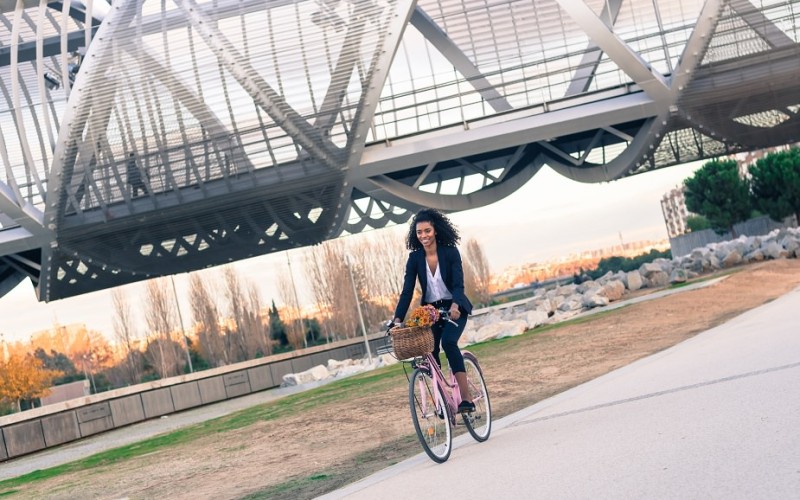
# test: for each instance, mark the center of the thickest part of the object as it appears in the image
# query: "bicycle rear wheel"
(479, 423)
(429, 416)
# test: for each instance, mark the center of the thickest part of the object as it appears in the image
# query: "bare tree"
(478, 276)
(125, 332)
(244, 309)
(205, 311)
(377, 282)
(161, 318)
(329, 280)
(236, 307)
(295, 333)
(258, 328)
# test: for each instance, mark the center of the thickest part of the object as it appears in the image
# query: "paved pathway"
(717, 416)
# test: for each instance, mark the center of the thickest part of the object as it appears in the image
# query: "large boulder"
(657, 279)
(755, 256)
(634, 280)
(334, 365)
(318, 372)
(678, 276)
(594, 300)
(605, 278)
(648, 269)
(665, 264)
(790, 244)
(498, 330)
(572, 303)
(774, 250)
(613, 290)
(544, 305)
(588, 286)
(563, 291)
(733, 258)
(535, 318)
(512, 328)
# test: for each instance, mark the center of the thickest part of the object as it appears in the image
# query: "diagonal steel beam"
(444, 44)
(591, 57)
(340, 76)
(382, 56)
(761, 24)
(650, 80)
(638, 150)
(263, 94)
(26, 215)
(197, 107)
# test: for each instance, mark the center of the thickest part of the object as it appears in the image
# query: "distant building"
(65, 392)
(749, 158)
(673, 206)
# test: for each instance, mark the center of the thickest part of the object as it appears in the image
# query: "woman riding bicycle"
(436, 262)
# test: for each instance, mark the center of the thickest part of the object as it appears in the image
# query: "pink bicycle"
(434, 398)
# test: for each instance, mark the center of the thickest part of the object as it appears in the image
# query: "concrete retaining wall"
(685, 243)
(55, 424)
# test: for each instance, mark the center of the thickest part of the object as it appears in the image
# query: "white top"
(436, 287)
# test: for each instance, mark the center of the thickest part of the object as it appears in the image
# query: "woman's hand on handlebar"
(391, 324)
(454, 312)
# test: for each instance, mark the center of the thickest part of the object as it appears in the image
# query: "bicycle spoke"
(430, 420)
(479, 422)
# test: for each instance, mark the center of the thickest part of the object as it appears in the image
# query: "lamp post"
(296, 300)
(87, 357)
(180, 318)
(358, 305)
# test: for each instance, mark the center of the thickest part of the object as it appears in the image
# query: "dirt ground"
(301, 456)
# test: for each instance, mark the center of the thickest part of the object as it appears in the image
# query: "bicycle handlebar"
(444, 315)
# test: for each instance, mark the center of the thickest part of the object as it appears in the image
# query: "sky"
(547, 218)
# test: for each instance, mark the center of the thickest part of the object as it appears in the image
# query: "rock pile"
(564, 302)
(337, 369)
(552, 306)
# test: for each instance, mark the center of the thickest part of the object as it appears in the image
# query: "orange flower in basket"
(423, 316)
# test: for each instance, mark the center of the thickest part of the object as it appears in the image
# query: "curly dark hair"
(446, 233)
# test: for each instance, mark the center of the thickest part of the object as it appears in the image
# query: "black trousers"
(446, 335)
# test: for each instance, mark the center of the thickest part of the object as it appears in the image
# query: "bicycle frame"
(450, 389)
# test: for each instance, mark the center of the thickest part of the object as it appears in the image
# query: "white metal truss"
(148, 137)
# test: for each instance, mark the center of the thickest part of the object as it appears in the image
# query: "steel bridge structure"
(143, 138)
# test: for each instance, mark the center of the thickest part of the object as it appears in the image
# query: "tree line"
(722, 195)
(229, 320)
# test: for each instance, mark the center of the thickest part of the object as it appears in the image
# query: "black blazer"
(452, 274)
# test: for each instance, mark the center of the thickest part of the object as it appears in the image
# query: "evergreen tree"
(697, 223)
(58, 362)
(277, 330)
(775, 184)
(313, 330)
(717, 192)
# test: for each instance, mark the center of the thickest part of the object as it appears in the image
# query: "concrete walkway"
(717, 416)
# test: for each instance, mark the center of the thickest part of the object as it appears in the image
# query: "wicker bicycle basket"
(412, 341)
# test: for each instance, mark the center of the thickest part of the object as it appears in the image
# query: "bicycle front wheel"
(429, 416)
(479, 423)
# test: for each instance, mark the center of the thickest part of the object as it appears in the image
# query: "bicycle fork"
(437, 408)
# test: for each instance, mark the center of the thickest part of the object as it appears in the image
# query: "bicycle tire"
(430, 417)
(479, 422)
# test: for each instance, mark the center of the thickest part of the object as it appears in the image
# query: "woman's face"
(426, 234)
